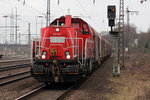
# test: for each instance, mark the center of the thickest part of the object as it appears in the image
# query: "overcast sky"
(83, 8)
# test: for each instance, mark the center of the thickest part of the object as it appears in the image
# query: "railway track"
(14, 77)
(31, 93)
(10, 74)
(8, 61)
(52, 92)
(70, 90)
(14, 67)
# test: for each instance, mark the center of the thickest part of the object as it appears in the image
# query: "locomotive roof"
(62, 18)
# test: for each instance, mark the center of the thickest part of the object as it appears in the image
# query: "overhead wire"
(32, 8)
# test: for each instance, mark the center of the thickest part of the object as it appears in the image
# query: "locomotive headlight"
(67, 54)
(44, 54)
(57, 29)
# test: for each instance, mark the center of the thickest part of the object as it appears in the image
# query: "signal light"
(111, 14)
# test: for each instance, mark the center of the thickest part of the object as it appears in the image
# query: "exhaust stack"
(68, 20)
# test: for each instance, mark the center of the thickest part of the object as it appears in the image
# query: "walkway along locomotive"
(67, 50)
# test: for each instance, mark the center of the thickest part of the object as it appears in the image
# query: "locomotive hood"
(56, 41)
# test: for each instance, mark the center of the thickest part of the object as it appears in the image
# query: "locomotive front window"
(76, 24)
(85, 29)
(61, 23)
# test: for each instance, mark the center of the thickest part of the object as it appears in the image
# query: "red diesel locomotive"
(67, 50)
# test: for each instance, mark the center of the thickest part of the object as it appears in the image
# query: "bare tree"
(130, 35)
(144, 39)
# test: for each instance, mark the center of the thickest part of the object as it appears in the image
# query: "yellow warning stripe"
(38, 73)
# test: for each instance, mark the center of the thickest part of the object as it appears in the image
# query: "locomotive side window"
(90, 30)
(58, 23)
(85, 29)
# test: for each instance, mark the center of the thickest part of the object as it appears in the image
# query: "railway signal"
(111, 14)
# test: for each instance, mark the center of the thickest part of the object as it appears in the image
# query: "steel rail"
(66, 92)
(14, 80)
(14, 67)
(77, 85)
(60, 97)
(35, 92)
(71, 89)
(30, 94)
(7, 61)
(12, 75)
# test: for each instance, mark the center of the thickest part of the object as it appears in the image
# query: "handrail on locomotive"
(38, 46)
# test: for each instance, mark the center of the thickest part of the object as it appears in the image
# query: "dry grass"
(134, 82)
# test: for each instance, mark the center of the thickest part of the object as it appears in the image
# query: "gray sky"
(83, 8)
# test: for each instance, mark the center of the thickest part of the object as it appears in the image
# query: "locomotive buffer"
(111, 14)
